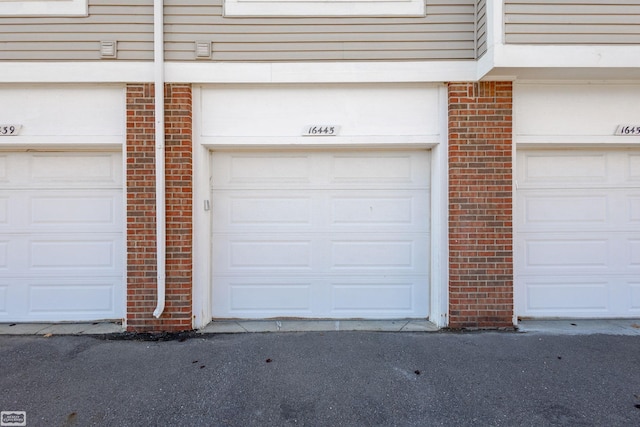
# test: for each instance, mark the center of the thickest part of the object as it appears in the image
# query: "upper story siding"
(572, 22)
(481, 27)
(447, 32)
(129, 22)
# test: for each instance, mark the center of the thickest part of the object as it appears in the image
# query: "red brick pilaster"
(480, 205)
(141, 224)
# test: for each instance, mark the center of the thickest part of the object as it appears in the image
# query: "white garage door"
(578, 233)
(61, 236)
(320, 234)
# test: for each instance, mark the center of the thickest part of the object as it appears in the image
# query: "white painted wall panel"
(574, 113)
(64, 114)
(279, 114)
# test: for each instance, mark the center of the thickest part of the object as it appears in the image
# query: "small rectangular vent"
(108, 49)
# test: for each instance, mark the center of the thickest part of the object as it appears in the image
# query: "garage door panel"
(573, 169)
(4, 300)
(4, 255)
(51, 299)
(381, 298)
(634, 295)
(634, 209)
(567, 296)
(62, 247)
(4, 211)
(580, 296)
(320, 170)
(582, 220)
(404, 211)
(389, 252)
(558, 209)
(270, 298)
(566, 253)
(578, 209)
(4, 169)
(259, 297)
(263, 210)
(262, 253)
(67, 300)
(375, 254)
(345, 210)
(80, 169)
(78, 208)
(260, 169)
(256, 297)
(268, 254)
(72, 254)
(371, 168)
(339, 241)
(634, 252)
(606, 252)
(634, 167)
(552, 168)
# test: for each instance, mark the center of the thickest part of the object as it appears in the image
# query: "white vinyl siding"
(572, 22)
(320, 234)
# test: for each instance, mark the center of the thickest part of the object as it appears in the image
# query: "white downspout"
(158, 59)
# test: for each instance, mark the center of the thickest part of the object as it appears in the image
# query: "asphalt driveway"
(324, 379)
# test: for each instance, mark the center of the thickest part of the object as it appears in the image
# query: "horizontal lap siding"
(129, 22)
(481, 27)
(447, 32)
(572, 22)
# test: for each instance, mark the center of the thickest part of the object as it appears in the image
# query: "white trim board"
(209, 72)
(338, 8)
(44, 8)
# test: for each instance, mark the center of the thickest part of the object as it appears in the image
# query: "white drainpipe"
(158, 58)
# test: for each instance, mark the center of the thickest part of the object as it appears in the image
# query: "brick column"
(141, 240)
(480, 205)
